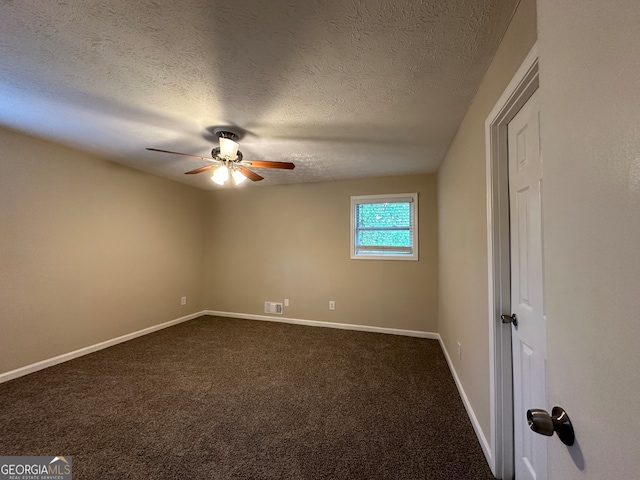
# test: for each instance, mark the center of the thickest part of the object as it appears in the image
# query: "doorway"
(521, 88)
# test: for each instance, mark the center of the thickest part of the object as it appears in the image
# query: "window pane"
(383, 215)
(394, 238)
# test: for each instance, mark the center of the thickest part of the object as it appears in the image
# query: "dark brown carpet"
(219, 398)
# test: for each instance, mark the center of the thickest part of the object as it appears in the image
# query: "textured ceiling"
(342, 88)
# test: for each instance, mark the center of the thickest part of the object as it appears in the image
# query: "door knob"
(513, 318)
(544, 424)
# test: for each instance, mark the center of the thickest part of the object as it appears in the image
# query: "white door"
(527, 302)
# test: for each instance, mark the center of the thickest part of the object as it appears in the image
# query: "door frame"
(524, 83)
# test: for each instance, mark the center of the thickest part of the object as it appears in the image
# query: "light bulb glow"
(228, 148)
(220, 175)
(238, 177)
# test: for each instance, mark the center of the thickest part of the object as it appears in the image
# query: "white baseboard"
(484, 443)
(34, 367)
(317, 323)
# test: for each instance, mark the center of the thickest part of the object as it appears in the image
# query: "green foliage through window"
(383, 228)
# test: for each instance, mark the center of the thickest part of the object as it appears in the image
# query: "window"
(384, 227)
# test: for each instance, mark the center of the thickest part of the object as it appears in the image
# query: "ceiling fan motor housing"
(230, 134)
(215, 153)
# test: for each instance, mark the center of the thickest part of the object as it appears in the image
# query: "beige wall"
(89, 250)
(92, 250)
(462, 213)
(292, 241)
(589, 86)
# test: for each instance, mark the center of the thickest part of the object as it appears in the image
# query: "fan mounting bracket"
(228, 132)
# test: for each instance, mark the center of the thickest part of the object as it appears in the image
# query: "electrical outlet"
(332, 305)
(183, 301)
(286, 302)
(459, 351)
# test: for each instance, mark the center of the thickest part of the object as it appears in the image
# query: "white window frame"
(387, 198)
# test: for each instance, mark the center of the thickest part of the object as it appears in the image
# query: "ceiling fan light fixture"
(220, 175)
(228, 148)
(238, 177)
(227, 161)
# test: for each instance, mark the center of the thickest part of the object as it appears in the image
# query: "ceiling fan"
(228, 162)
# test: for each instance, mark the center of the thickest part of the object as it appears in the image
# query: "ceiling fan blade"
(268, 164)
(200, 170)
(249, 174)
(178, 153)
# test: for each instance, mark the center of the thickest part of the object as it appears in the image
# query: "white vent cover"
(273, 307)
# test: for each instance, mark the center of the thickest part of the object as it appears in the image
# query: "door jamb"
(524, 83)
